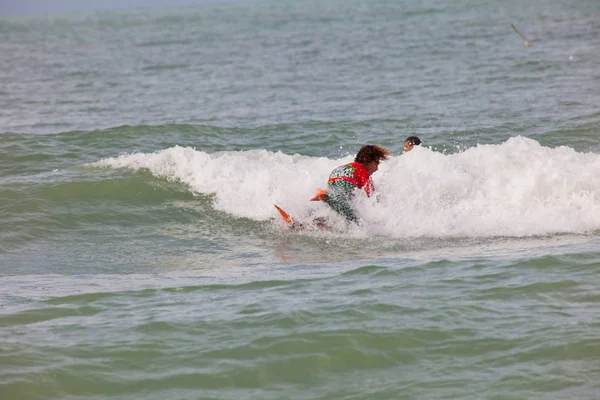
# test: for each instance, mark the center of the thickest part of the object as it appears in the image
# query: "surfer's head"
(411, 142)
(370, 155)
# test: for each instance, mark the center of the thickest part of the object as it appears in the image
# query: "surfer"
(411, 142)
(344, 179)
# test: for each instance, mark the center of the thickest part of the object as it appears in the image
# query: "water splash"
(517, 188)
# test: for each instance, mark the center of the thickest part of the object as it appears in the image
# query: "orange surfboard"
(319, 196)
(286, 217)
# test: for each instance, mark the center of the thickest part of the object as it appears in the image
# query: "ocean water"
(141, 153)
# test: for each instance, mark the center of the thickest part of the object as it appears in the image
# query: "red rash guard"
(356, 174)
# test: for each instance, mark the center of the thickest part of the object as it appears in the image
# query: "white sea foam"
(517, 188)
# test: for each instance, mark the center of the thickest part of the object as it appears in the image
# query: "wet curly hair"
(370, 153)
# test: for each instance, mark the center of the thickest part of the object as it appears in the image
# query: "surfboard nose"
(286, 217)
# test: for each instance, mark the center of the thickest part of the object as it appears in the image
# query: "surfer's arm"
(368, 187)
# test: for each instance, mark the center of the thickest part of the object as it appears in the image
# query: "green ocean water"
(141, 152)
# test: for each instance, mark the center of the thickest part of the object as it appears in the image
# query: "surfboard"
(316, 223)
(320, 195)
(286, 217)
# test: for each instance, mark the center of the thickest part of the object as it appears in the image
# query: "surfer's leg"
(342, 207)
(339, 196)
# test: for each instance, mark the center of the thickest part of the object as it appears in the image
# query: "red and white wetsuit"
(341, 185)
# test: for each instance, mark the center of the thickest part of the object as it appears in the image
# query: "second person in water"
(411, 142)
